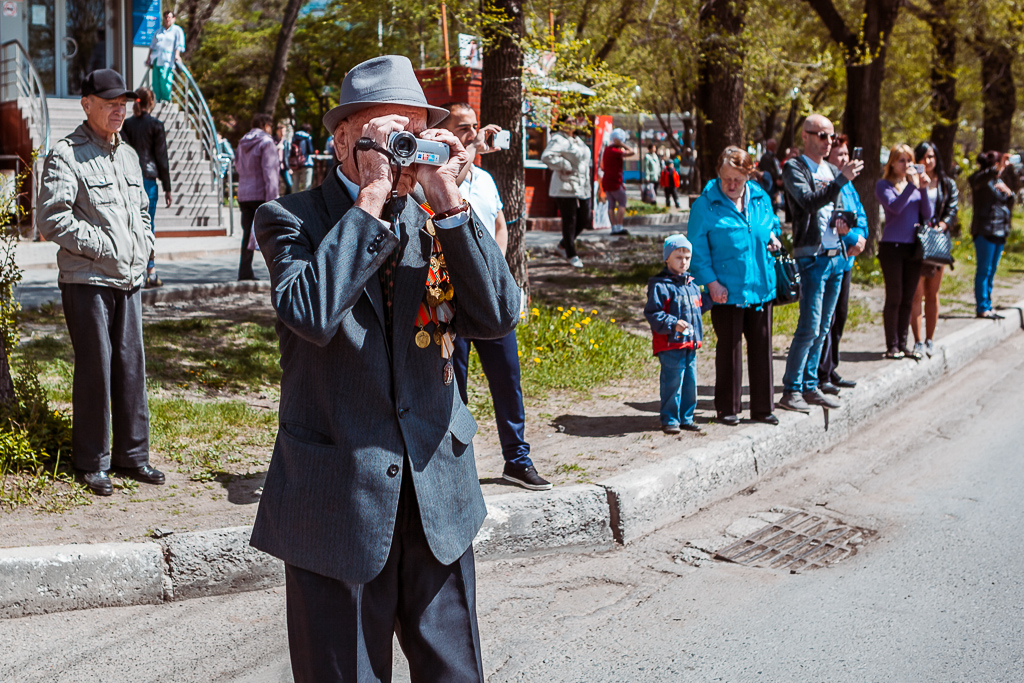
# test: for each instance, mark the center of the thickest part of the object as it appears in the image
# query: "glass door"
(42, 42)
(66, 40)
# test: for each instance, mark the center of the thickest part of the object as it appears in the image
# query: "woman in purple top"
(906, 206)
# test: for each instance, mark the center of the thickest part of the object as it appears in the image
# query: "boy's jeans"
(821, 278)
(678, 386)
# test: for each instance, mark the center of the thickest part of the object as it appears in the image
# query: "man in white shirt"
(164, 53)
(498, 357)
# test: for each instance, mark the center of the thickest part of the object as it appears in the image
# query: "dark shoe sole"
(531, 487)
(845, 384)
(768, 419)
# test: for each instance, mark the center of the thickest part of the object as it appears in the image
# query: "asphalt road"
(937, 595)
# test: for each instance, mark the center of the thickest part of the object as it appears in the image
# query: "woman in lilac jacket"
(906, 206)
(259, 180)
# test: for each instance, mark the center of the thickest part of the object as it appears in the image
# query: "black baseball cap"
(106, 84)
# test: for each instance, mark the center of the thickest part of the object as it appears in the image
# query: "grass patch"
(635, 208)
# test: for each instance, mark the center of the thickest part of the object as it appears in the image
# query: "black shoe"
(670, 429)
(526, 477)
(98, 482)
(621, 233)
(829, 388)
(145, 474)
(843, 383)
(730, 420)
(767, 418)
(690, 427)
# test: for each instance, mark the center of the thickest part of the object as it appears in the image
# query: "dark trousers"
(576, 218)
(339, 631)
(248, 209)
(671, 192)
(500, 361)
(901, 270)
(830, 351)
(732, 324)
(105, 326)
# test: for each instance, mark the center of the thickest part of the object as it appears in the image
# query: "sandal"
(907, 353)
(894, 354)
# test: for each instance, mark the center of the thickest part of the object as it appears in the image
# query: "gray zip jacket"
(92, 204)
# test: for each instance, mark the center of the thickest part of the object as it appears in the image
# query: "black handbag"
(935, 247)
(787, 279)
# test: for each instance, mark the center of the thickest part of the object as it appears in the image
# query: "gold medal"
(422, 339)
(435, 295)
(435, 263)
(449, 293)
(429, 227)
(437, 337)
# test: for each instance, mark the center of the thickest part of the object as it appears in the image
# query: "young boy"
(674, 309)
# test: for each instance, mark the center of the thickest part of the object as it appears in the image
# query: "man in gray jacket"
(372, 498)
(93, 205)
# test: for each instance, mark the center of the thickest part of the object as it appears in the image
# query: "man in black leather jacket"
(145, 133)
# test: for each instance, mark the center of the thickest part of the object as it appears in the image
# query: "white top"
(933, 197)
(165, 42)
(482, 194)
(822, 177)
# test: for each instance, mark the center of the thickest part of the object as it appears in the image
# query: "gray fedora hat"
(381, 80)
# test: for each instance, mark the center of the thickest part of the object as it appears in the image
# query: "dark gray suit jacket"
(351, 408)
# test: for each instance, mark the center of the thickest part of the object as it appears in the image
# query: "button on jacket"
(92, 204)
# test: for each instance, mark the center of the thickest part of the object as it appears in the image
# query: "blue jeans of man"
(988, 254)
(821, 278)
(678, 386)
(500, 361)
(150, 186)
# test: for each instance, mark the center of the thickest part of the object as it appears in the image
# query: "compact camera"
(409, 149)
(501, 140)
(858, 153)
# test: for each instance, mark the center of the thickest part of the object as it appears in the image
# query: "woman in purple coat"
(906, 206)
(259, 178)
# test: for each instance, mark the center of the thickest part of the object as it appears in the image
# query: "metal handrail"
(187, 95)
(26, 83)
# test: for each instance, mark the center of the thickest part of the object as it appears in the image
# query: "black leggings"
(902, 270)
(576, 218)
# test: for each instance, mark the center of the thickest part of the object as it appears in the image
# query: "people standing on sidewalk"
(282, 139)
(259, 180)
(569, 159)
(733, 229)
(613, 160)
(813, 187)
(146, 134)
(301, 157)
(92, 204)
(769, 164)
(669, 181)
(165, 52)
(499, 358)
(901, 192)
(990, 225)
(687, 172)
(829, 381)
(674, 309)
(944, 199)
(651, 171)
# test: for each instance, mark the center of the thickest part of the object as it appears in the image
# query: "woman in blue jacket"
(733, 228)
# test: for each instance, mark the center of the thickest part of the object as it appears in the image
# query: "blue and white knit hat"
(673, 242)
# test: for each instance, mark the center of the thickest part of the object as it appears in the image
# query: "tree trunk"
(501, 102)
(719, 81)
(999, 94)
(279, 67)
(944, 103)
(197, 15)
(6, 380)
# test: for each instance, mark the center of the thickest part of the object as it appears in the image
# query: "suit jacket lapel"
(338, 203)
(411, 277)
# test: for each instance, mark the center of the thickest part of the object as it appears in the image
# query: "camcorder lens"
(403, 144)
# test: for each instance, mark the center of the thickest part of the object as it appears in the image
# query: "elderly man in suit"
(372, 498)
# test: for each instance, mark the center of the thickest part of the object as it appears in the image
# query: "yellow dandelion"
(520, 354)
(593, 312)
(611, 320)
(573, 308)
(540, 348)
(536, 311)
(536, 360)
(586, 321)
(573, 330)
(560, 308)
(591, 341)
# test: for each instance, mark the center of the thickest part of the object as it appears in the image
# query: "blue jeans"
(988, 255)
(500, 361)
(821, 278)
(678, 386)
(150, 186)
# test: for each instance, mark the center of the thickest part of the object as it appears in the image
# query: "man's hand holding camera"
(440, 183)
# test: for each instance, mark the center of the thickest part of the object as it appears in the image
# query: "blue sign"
(145, 21)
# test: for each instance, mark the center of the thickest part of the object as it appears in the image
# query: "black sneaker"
(670, 429)
(526, 477)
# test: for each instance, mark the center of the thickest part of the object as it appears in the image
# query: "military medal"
(448, 373)
(437, 306)
(423, 339)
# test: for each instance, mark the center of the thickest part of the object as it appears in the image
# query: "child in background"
(673, 309)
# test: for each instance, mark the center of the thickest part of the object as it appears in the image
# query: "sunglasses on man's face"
(822, 135)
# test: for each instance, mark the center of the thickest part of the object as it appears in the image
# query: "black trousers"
(248, 209)
(339, 631)
(901, 270)
(830, 351)
(671, 192)
(732, 324)
(576, 217)
(109, 387)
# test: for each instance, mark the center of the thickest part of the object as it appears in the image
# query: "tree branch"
(833, 21)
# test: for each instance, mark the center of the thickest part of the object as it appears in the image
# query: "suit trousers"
(109, 386)
(732, 324)
(576, 217)
(248, 209)
(830, 350)
(340, 631)
(499, 359)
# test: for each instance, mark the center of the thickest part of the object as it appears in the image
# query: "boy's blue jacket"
(732, 248)
(671, 298)
(851, 202)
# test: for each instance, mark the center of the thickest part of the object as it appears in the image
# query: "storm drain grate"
(799, 540)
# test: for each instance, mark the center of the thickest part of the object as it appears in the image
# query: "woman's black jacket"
(991, 207)
(147, 137)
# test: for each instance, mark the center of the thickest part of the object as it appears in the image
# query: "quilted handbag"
(787, 279)
(934, 246)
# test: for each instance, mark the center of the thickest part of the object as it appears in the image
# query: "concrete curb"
(206, 291)
(39, 580)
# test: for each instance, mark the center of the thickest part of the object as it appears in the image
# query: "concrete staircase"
(193, 212)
